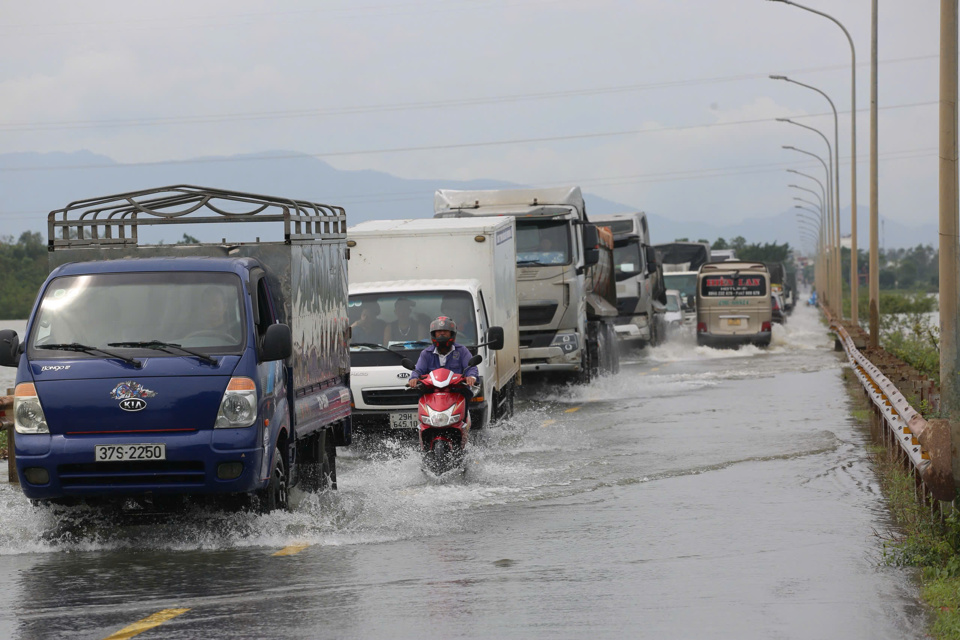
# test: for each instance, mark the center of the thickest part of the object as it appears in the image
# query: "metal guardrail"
(923, 446)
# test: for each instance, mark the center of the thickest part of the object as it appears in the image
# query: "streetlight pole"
(835, 231)
(949, 223)
(825, 281)
(853, 155)
(815, 194)
(837, 302)
(874, 271)
(813, 223)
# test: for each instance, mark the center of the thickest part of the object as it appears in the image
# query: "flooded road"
(697, 494)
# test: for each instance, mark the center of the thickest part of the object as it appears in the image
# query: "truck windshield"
(401, 321)
(628, 260)
(673, 303)
(197, 310)
(685, 283)
(543, 242)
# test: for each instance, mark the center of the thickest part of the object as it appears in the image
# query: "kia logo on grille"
(403, 375)
(133, 404)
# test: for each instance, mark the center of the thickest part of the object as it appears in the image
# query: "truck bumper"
(544, 359)
(378, 420)
(761, 339)
(191, 465)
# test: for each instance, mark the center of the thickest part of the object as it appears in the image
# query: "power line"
(403, 106)
(438, 147)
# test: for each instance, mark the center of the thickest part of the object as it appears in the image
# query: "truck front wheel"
(274, 495)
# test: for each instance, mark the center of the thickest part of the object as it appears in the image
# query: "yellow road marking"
(292, 550)
(147, 623)
(572, 410)
(547, 423)
(655, 369)
(642, 373)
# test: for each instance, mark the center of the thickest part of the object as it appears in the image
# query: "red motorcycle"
(444, 417)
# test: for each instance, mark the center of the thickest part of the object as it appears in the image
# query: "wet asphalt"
(696, 494)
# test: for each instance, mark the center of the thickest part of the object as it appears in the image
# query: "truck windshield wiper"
(83, 348)
(524, 263)
(163, 346)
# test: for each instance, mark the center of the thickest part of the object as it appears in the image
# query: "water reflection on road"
(697, 494)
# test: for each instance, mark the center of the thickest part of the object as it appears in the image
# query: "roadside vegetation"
(23, 266)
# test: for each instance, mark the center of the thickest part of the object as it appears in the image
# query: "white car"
(675, 315)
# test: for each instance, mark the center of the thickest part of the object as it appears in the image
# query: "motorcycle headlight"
(27, 413)
(440, 418)
(566, 340)
(238, 407)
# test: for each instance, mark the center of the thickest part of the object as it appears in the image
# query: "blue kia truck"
(157, 372)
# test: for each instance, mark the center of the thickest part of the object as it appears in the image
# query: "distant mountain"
(783, 227)
(32, 184)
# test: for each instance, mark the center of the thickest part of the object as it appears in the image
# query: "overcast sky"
(681, 86)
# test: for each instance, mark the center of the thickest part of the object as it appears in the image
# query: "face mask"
(442, 343)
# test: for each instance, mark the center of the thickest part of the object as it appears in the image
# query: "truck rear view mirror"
(495, 338)
(591, 245)
(277, 343)
(9, 348)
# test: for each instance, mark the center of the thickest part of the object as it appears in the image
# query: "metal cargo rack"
(112, 221)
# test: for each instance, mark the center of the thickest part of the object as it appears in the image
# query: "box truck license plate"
(403, 420)
(733, 322)
(124, 452)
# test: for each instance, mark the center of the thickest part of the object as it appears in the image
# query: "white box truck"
(405, 273)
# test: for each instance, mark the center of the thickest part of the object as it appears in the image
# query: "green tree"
(737, 244)
(188, 239)
(23, 268)
(720, 244)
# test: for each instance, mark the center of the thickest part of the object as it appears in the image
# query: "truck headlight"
(27, 413)
(566, 340)
(238, 408)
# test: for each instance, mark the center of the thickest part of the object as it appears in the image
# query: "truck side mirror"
(591, 245)
(277, 343)
(495, 338)
(651, 258)
(9, 348)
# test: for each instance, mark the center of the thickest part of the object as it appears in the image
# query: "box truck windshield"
(685, 283)
(402, 322)
(543, 242)
(197, 310)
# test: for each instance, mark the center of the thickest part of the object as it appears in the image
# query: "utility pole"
(874, 190)
(949, 222)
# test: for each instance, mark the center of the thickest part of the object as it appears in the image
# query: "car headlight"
(566, 340)
(238, 408)
(27, 413)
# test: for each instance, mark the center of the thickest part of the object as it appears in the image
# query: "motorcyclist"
(445, 353)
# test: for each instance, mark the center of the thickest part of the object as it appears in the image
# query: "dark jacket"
(456, 362)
